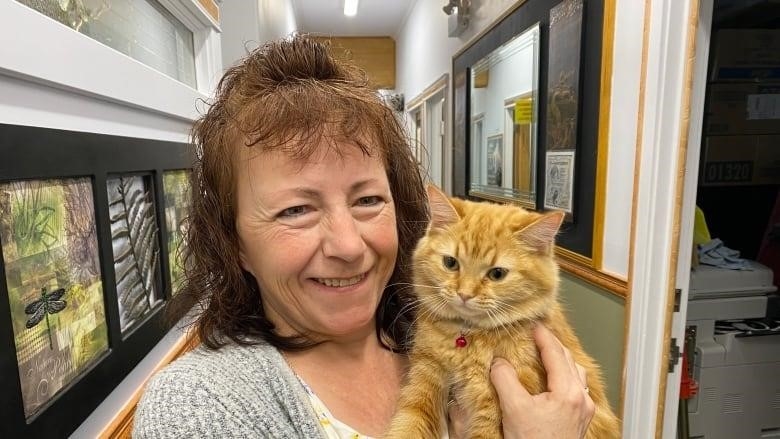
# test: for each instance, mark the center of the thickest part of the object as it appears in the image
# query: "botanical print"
(176, 188)
(52, 269)
(135, 245)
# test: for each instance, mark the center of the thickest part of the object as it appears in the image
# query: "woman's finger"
(553, 354)
(511, 394)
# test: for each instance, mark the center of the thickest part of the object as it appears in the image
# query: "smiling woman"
(307, 209)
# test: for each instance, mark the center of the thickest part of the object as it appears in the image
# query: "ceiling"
(375, 18)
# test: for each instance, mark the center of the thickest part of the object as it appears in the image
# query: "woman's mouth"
(341, 282)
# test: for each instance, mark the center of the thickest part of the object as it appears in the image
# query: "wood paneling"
(582, 267)
(375, 55)
(481, 78)
(211, 7)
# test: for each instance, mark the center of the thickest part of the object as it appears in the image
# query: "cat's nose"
(465, 297)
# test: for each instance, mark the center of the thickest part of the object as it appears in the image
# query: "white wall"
(246, 24)
(624, 114)
(423, 49)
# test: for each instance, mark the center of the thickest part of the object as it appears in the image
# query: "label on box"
(763, 106)
(728, 172)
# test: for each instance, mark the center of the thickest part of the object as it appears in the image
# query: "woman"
(307, 205)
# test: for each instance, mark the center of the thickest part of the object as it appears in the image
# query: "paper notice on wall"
(559, 180)
(763, 106)
(524, 111)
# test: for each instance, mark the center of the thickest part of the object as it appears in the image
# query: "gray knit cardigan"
(233, 392)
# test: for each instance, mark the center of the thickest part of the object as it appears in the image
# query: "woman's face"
(319, 235)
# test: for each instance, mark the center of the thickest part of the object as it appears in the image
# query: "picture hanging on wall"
(563, 75)
(134, 238)
(495, 160)
(563, 86)
(53, 277)
(558, 180)
(176, 190)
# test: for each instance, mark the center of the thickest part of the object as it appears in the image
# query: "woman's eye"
(369, 201)
(450, 263)
(497, 273)
(293, 211)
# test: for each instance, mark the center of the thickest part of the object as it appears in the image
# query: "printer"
(736, 360)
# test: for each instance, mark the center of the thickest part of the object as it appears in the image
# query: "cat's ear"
(540, 234)
(443, 213)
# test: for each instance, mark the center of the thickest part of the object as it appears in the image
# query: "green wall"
(598, 317)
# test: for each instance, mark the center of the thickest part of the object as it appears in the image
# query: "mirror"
(503, 102)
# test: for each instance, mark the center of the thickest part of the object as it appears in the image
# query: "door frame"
(662, 212)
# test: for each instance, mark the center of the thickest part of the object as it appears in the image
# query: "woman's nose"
(343, 239)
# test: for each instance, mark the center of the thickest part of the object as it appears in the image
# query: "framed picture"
(495, 160)
(178, 200)
(84, 269)
(559, 183)
(54, 284)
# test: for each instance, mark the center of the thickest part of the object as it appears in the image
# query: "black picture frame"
(575, 236)
(34, 153)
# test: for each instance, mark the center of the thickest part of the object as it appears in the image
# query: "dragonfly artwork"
(49, 303)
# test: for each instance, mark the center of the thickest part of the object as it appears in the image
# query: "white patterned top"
(334, 429)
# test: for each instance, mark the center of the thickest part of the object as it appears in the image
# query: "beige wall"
(598, 317)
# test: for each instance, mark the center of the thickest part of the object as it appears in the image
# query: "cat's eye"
(450, 263)
(497, 273)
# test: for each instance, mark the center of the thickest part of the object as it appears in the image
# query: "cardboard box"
(742, 108)
(746, 55)
(740, 160)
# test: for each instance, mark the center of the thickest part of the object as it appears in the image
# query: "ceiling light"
(350, 7)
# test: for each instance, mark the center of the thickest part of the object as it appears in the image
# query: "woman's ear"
(242, 260)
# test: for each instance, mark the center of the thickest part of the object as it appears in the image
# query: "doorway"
(728, 326)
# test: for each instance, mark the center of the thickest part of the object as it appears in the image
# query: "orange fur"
(495, 315)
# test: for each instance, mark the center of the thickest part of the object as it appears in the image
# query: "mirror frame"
(502, 193)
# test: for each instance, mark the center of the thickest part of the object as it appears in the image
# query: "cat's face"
(485, 264)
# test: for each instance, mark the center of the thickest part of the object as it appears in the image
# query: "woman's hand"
(564, 411)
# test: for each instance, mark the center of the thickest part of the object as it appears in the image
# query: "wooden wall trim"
(121, 427)
(582, 267)
(605, 98)
(211, 8)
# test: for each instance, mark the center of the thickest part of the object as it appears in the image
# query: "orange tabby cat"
(484, 274)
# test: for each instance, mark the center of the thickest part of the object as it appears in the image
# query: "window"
(141, 29)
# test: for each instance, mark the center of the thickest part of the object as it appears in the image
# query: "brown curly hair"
(293, 95)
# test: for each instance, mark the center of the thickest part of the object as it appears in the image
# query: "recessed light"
(350, 7)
